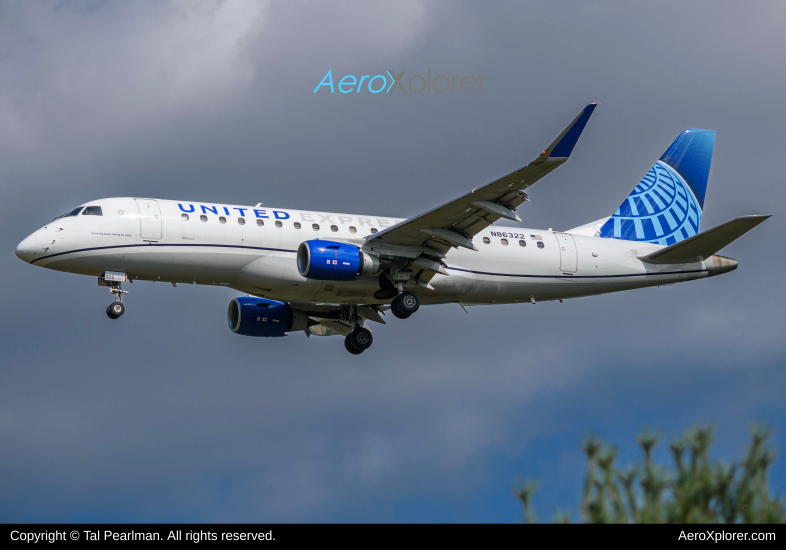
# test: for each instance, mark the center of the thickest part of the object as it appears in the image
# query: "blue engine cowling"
(332, 261)
(251, 316)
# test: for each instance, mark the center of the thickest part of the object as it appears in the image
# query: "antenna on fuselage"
(259, 204)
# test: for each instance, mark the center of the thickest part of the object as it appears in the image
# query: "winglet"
(563, 146)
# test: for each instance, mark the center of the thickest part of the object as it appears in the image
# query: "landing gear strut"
(405, 304)
(116, 309)
(112, 279)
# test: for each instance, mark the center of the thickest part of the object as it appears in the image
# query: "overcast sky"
(167, 415)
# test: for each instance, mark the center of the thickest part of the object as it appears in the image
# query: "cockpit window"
(93, 211)
(73, 212)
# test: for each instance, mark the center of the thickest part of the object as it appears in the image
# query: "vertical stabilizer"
(666, 206)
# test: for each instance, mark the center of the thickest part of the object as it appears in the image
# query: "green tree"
(694, 490)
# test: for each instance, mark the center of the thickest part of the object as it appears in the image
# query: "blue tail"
(666, 206)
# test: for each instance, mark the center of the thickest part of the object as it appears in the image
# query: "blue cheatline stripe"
(162, 245)
(576, 276)
(294, 251)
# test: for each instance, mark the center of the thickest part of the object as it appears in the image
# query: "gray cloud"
(167, 415)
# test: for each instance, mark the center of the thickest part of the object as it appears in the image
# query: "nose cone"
(26, 250)
(717, 265)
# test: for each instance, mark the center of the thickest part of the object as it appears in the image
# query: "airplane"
(330, 274)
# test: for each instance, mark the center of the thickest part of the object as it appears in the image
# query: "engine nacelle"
(251, 316)
(332, 261)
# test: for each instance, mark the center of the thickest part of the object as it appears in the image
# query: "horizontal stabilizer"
(702, 246)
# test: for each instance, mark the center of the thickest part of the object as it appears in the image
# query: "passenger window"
(334, 228)
(486, 240)
(260, 223)
(373, 230)
(297, 225)
(315, 226)
(352, 229)
(203, 218)
(73, 212)
(222, 219)
(241, 221)
(93, 211)
(184, 217)
(541, 245)
(522, 243)
(279, 224)
(504, 242)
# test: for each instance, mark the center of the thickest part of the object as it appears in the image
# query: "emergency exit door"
(149, 219)
(568, 259)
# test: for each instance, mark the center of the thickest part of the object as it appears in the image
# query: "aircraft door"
(568, 259)
(149, 219)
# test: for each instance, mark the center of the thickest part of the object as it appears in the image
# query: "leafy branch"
(694, 490)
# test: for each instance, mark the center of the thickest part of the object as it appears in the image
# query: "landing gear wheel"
(361, 339)
(396, 311)
(349, 348)
(407, 303)
(115, 310)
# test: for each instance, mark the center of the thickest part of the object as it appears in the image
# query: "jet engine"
(251, 316)
(332, 261)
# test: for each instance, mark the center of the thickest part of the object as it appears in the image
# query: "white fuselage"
(151, 240)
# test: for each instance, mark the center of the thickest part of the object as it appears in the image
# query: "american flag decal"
(536, 237)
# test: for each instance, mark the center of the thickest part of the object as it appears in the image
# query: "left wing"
(421, 242)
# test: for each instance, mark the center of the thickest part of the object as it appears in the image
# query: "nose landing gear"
(112, 279)
(116, 309)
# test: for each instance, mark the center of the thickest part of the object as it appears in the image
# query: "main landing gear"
(405, 304)
(116, 308)
(358, 341)
(391, 285)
